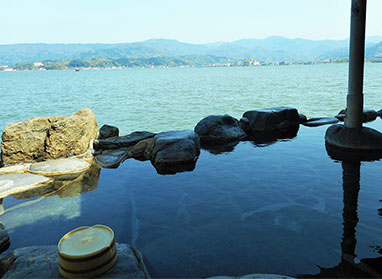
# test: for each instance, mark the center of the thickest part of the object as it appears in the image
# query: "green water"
(168, 99)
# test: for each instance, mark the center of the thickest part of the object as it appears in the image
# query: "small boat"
(77, 69)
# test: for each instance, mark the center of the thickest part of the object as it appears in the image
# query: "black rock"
(120, 142)
(108, 131)
(319, 121)
(272, 118)
(219, 128)
(175, 151)
(368, 115)
(244, 124)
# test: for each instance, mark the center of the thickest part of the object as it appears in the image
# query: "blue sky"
(193, 21)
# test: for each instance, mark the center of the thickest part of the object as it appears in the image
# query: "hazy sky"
(193, 21)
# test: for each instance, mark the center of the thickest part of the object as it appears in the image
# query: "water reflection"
(221, 148)
(271, 137)
(86, 182)
(350, 265)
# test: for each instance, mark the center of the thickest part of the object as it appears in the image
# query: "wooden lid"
(84, 242)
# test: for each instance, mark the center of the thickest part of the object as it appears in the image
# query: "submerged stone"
(219, 128)
(112, 158)
(120, 142)
(68, 167)
(272, 118)
(16, 183)
(86, 182)
(5, 241)
(319, 121)
(42, 262)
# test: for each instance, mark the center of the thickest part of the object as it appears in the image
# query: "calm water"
(275, 208)
(169, 99)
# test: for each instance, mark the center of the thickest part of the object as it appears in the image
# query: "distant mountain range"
(271, 49)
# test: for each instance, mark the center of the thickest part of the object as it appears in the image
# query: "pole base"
(353, 143)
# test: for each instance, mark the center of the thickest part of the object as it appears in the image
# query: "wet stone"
(314, 122)
(120, 142)
(71, 167)
(4, 239)
(219, 128)
(113, 158)
(108, 131)
(42, 262)
(14, 169)
(15, 183)
(368, 115)
(273, 118)
(175, 151)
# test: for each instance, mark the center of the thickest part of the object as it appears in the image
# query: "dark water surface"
(276, 208)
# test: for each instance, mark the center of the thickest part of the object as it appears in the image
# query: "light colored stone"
(42, 262)
(42, 138)
(16, 183)
(15, 169)
(59, 167)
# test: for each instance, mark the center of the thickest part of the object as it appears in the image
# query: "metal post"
(354, 108)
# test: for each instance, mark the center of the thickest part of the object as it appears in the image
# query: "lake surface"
(170, 99)
(281, 207)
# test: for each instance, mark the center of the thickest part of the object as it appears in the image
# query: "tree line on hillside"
(193, 60)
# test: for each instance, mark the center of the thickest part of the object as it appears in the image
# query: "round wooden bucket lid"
(85, 242)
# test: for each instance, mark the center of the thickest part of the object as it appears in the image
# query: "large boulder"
(42, 138)
(272, 119)
(219, 128)
(175, 151)
(42, 262)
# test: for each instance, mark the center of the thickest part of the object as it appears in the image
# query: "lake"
(282, 207)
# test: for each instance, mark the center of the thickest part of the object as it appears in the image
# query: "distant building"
(38, 64)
